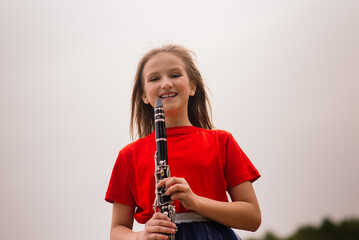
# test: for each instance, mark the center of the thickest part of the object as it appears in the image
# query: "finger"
(161, 223)
(157, 236)
(158, 226)
(159, 215)
(162, 182)
(161, 220)
(178, 188)
(160, 229)
(175, 180)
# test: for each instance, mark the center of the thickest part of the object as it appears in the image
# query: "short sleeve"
(119, 189)
(238, 167)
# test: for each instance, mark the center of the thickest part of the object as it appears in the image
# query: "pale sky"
(283, 79)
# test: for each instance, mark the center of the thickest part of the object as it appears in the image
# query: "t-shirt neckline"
(179, 129)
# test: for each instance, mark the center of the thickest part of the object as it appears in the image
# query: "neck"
(175, 123)
(177, 120)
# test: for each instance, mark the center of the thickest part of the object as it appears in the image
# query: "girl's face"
(164, 76)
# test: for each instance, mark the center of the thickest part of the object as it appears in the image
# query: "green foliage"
(270, 236)
(328, 230)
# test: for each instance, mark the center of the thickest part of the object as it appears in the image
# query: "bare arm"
(122, 223)
(243, 213)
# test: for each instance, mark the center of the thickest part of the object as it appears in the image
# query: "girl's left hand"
(179, 189)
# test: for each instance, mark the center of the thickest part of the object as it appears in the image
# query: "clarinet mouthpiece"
(158, 103)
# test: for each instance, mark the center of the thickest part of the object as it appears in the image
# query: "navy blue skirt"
(206, 230)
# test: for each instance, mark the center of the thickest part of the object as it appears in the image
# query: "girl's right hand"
(159, 223)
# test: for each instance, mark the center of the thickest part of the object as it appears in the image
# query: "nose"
(166, 83)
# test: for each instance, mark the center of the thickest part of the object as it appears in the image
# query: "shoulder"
(137, 145)
(222, 135)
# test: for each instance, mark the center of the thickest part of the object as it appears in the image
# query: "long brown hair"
(142, 114)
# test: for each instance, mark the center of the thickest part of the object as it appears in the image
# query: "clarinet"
(162, 201)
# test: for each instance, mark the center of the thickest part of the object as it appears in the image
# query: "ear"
(145, 100)
(193, 88)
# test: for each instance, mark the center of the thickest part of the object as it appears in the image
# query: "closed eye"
(154, 79)
(175, 75)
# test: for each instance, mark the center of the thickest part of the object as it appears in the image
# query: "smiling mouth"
(168, 95)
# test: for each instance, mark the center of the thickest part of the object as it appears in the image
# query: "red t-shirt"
(210, 160)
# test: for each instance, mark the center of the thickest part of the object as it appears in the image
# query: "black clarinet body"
(162, 170)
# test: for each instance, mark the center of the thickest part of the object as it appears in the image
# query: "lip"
(168, 93)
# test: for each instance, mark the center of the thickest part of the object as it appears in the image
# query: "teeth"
(169, 95)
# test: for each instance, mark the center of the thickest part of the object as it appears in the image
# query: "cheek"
(146, 90)
(151, 93)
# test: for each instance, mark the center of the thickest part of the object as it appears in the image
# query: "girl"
(205, 164)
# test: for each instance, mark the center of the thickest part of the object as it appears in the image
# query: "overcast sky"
(283, 79)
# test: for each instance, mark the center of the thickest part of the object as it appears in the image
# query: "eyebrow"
(175, 69)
